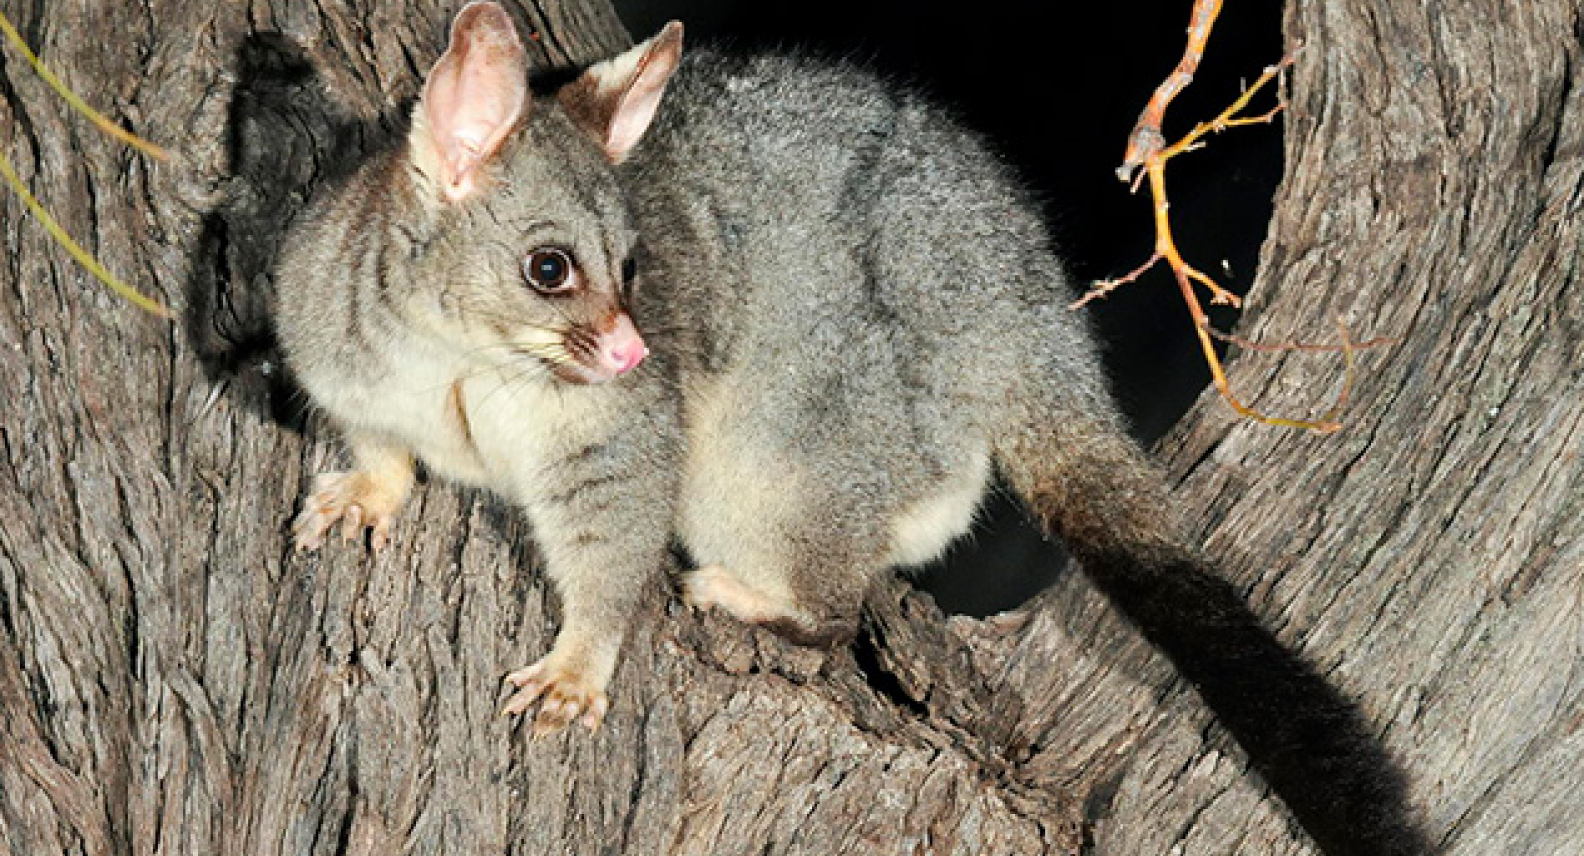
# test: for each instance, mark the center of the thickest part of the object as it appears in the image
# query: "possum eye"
(629, 275)
(550, 270)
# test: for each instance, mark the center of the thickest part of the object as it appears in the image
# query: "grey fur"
(871, 293)
(853, 308)
(855, 315)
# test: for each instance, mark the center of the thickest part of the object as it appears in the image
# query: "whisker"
(557, 309)
(478, 371)
(526, 371)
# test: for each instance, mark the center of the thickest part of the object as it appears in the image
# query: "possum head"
(528, 239)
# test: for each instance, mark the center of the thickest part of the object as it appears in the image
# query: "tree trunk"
(175, 680)
(1431, 555)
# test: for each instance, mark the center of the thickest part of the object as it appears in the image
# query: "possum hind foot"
(564, 691)
(714, 586)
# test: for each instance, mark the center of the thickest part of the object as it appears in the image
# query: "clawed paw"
(564, 694)
(354, 500)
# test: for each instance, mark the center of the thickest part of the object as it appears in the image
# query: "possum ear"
(617, 99)
(473, 97)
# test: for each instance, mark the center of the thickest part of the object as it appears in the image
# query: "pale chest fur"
(487, 427)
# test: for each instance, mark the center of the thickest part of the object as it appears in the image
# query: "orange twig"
(1105, 286)
(1146, 140)
(1146, 157)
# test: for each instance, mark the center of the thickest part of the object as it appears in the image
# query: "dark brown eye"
(549, 270)
(629, 273)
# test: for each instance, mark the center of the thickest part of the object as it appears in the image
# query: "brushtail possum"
(777, 311)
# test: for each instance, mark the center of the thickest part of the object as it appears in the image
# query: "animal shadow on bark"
(287, 140)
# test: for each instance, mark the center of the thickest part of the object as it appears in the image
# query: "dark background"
(1058, 93)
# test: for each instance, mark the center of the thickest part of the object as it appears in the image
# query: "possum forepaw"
(358, 501)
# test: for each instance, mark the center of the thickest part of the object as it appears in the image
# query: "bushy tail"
(1107, 502)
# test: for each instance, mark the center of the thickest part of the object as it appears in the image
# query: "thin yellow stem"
(94, 116)
(82, 256)
(1166, 245)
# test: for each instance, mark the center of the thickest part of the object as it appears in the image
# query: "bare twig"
(1146, 157)
(1146, 140)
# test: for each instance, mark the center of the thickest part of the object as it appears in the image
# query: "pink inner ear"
(640, 96)
(475, 94)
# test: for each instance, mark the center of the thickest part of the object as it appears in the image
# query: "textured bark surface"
(174, 680)
(1430, 556)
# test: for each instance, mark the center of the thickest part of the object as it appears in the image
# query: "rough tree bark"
(173, 680)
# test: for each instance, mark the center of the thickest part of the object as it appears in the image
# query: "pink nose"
(621, 348)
